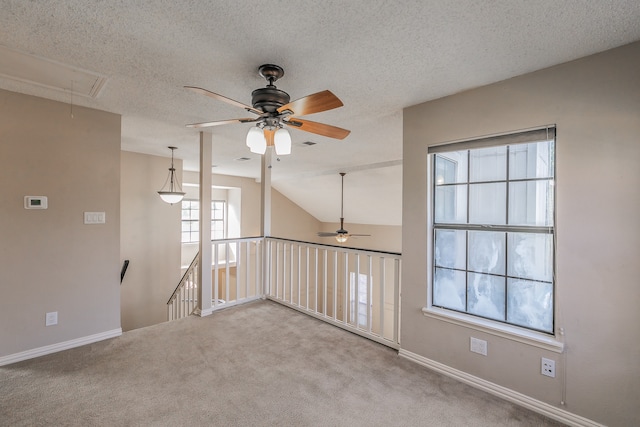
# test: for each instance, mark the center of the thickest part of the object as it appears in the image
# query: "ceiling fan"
(275, 112)
(341, 235)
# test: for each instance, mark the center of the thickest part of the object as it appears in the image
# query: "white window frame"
(543, 340)
(213, 220)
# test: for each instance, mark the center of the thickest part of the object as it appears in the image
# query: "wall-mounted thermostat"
(35, 202)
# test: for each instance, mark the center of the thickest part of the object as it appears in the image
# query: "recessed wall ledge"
(534, 339)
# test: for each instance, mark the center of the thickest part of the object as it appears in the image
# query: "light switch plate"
(94, 218)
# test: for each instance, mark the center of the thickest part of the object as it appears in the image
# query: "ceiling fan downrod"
(342, 230)
(271, 73)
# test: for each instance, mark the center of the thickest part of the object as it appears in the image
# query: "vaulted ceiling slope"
(376, 56)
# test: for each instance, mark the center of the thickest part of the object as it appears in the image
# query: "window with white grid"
(191, 221)
(493, 228)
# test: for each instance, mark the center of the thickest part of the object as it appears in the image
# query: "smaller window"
(191, 220)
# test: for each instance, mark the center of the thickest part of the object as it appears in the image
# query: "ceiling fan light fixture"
(256, 141)
(282, 142)
(174, 193)
(341, 238)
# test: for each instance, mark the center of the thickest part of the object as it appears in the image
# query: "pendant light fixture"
(174, 194)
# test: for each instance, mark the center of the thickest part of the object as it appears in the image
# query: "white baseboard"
(535, 405)
(210, 310)
(54, 348)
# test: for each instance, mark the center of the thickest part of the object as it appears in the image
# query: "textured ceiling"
(376, 56)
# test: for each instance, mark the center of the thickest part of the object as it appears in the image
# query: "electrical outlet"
(51, 318)
(478, 346)
(548, 367)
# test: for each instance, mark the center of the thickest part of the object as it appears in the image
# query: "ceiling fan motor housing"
(269, 99)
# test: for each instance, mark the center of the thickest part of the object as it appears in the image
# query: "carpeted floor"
(260, 364)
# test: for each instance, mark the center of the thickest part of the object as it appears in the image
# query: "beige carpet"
(261, 364)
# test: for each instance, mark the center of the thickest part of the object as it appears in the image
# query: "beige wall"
(49, 259)
(149, 239)
(290, 221)
(595, 103)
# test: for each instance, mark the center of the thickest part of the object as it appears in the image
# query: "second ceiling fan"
(275, 112)
(341, 234)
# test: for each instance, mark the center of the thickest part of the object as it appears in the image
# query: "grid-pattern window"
(191, 223)
(493, 230)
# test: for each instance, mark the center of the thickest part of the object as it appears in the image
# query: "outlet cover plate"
(478, 346)
(51, 318)
(548, 367)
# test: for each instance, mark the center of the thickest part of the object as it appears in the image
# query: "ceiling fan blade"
(221, 122)
(318, 128)
(325, 234)
(316, 103)
(359, 235)
(223, 98)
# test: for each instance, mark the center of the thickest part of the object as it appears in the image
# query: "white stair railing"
(236, 277)
(184, 299)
